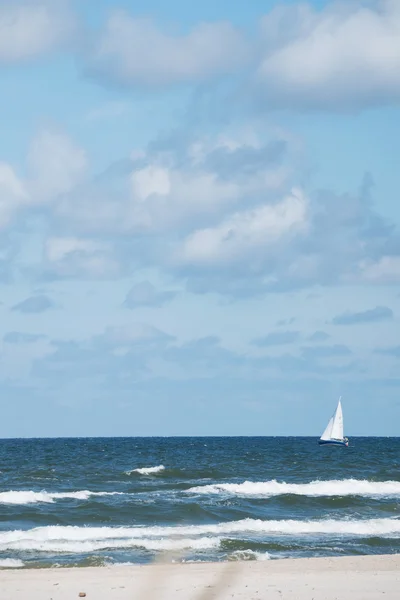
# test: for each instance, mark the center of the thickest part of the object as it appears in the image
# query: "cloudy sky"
(199, 213)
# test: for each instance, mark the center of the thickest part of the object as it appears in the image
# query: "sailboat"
(333, 433)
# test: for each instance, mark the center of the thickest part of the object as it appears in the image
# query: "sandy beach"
(355, 578)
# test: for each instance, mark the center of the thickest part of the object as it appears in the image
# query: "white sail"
(327, 433)
(337, 428)
(334, 429)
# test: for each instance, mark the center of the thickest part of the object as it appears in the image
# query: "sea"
(85, 502)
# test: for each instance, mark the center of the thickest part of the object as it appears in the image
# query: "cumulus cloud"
(385, 270)
(31, 28)
(34, 304)
(246, 232)
(135, 51)
(343, 57)
(241, 235)
(56, 165)
(302, 58)
(327, 238)
(149, 198)
(221, 214)
(13, 194)
(379, 313)
(145, 294)
(175, 185)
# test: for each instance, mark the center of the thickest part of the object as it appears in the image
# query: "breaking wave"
(70, 539)
(249, 555)
(30, 497)
(346, 487)
(147, 470)
(11, 563)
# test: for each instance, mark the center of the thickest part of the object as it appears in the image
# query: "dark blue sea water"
(103, 501)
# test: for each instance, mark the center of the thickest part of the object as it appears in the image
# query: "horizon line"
(104, 437)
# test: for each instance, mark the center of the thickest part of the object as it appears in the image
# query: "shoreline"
(326, 578)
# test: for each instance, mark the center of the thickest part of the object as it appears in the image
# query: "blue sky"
(199, 217)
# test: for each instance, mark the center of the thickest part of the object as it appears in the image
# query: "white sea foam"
(88, 539)
(30, 497)
(345, 487)
(249, 555)
(110, 543)
(147, 470)
(11, 563)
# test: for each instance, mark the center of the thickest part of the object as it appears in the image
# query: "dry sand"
(355, 578)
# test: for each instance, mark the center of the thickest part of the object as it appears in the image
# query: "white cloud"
(166, 190)
(346, 56)
(12, 194)
(30, 28)
(385, 270)
(134, 51)
(57, 165)
(152, 199)
(246, 231)
(165, 198)
(10, 181)
(149, 181)
(218, 213)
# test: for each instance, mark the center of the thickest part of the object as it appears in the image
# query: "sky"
(199, 217)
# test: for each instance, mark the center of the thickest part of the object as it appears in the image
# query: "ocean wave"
(147, 470)
(30, 497)
(85, 546)
(11, 563)
(75, 539)
(345, 487)
(248, 555)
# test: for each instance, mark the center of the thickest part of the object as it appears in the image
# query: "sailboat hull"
(333, 443)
